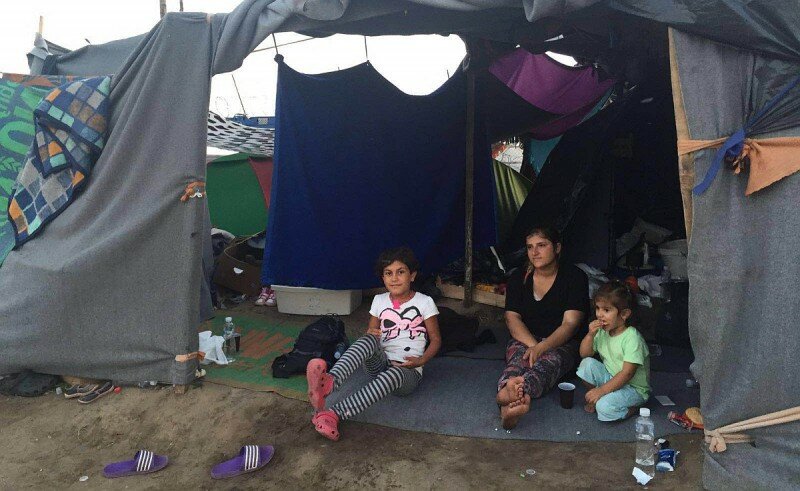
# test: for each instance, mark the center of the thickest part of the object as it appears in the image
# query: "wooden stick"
(468, 187)
(41, 24)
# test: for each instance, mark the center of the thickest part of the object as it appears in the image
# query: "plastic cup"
(567, 392)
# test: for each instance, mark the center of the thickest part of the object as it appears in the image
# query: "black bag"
(322, 338)
(459, 332)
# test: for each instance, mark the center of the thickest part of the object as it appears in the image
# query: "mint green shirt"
(628, 346)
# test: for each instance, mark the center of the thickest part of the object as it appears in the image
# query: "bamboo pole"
(468, 187)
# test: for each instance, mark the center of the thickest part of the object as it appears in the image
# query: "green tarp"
(235, 198)
(511, 190)
(17, 103)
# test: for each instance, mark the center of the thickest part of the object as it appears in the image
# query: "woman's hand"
(534, 352)
(594, 395)
(595, 326)
(411, 362)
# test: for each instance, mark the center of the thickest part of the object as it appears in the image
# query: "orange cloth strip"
(771, 159)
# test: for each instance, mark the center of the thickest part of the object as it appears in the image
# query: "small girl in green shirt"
(621, 383)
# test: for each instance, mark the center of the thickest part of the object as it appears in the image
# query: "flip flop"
(250, 459)
(105, 388)
(320, 383)
(327, 424)
(144, 462)
(79, 390)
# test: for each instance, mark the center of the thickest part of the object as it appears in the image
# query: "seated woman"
(546, 305)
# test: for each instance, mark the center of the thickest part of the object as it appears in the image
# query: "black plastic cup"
(567, 392)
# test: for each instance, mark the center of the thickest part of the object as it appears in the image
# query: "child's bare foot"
(512, 391)
(589, 408)
(511, 413)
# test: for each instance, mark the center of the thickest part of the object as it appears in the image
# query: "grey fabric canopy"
(110, 289)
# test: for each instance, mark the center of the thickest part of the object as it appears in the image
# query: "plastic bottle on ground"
(645, 443)
(227, 331)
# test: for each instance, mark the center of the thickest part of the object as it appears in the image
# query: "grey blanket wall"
(744, 298)
(110, 289)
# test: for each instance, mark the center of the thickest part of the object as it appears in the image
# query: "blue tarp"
(361, 166)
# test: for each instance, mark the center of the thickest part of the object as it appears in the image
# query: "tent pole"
(162, 7)
(468, 187)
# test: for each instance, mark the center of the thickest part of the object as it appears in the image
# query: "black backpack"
(324, 338)
(459, 332)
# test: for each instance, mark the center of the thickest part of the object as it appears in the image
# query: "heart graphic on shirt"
(392, 322)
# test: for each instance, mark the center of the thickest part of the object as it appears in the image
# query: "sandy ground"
(49, 443)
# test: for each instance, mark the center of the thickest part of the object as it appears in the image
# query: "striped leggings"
(387, 379)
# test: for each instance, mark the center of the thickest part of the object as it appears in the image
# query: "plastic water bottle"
(645, 443)
(341, 347)
(227, 332)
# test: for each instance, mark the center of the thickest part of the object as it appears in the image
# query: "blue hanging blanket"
(360, 167)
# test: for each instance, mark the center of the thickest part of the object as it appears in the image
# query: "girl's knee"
(608, 411)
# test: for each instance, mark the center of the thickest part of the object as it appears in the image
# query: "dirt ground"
(49, 443)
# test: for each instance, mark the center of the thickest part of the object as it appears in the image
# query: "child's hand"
(594, 395)
(375, 331)
(595, 326)
(411, 362)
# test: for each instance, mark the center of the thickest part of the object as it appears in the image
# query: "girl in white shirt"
(393, 351)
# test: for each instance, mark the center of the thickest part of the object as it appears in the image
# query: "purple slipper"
(144, 462)
(251, 458)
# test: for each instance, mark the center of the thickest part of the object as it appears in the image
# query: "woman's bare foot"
(512, 391)
(511, 413)
(589, 408)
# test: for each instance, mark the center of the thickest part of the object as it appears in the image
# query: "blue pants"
(613, 406)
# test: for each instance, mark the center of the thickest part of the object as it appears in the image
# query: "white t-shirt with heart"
(403, 331)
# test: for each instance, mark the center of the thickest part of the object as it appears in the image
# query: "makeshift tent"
(730, 63)
(238, 188)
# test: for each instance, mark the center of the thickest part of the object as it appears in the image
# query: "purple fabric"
(549, 85)
(559, 126)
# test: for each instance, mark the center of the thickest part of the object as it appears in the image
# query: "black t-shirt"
(570, 291)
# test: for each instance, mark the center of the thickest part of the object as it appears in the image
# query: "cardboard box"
(236, 274)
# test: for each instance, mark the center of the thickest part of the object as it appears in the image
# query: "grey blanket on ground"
(457, 397)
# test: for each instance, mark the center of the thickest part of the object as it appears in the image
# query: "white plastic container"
(674, 254)
(316, 301)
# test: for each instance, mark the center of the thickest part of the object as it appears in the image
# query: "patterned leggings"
(387, 379)
(548, 369)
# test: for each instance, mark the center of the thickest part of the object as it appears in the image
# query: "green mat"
(261, 342)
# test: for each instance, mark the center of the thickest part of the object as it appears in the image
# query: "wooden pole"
(41, 24)
(162, 4)
(468, 187)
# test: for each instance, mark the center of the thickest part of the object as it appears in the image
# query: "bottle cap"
(643, 411)
(229, 319)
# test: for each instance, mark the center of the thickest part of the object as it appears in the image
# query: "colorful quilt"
(70, 126)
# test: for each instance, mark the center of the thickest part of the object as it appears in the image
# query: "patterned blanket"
(70, 125)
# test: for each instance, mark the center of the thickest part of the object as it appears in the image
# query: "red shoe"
(327, 424)
(320, 383)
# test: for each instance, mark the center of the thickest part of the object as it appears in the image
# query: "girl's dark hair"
(403, 254)
(546, 231)
(618, 294)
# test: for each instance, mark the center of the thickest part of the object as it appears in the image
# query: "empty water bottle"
(645, 443)
(227, 333)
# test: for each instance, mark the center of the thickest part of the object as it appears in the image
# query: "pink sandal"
(327, 424)
(320, 383)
